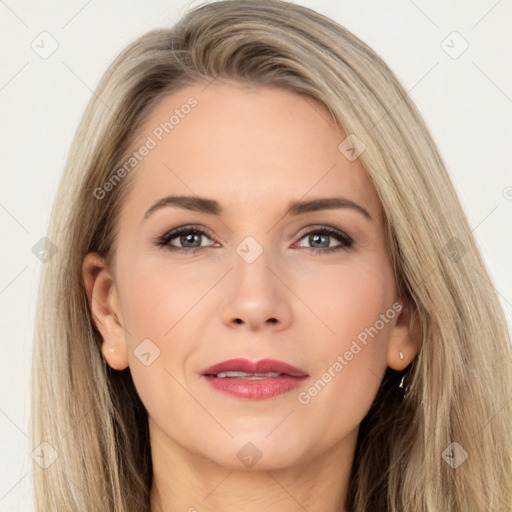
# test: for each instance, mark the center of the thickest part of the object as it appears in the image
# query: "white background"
(467, 103)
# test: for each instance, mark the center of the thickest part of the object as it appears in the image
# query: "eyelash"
(164, 240)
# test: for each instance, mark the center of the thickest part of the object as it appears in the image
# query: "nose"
(256, 297)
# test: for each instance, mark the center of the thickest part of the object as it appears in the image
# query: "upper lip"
(261, 366)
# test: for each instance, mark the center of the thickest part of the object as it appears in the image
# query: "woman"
(255, 369)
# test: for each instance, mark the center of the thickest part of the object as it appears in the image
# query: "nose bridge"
(252, 266)
(256, 296)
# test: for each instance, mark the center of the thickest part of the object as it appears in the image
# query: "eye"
(189, 239)
(321, 236)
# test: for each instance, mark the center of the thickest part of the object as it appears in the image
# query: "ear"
(405, 337)
(104, 305)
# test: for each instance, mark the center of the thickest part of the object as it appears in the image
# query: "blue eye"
(186, 235)
(320, 235)
(189, 238)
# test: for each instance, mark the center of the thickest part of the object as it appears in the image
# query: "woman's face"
(312, 287)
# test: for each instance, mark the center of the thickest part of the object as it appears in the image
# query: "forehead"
(242, 145)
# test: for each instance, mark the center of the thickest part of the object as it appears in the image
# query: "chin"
(254, 453)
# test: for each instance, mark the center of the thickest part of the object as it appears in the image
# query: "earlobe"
(105, 310)
(405, 338)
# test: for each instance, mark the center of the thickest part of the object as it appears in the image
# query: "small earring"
(401, 355)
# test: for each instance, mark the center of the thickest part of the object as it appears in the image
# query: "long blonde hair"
(459, 385)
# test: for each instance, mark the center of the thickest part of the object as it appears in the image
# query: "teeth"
(248, 376)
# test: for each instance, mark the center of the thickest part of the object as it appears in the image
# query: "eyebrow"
(211, 206)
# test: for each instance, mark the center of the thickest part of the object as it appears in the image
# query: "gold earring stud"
(401, 355)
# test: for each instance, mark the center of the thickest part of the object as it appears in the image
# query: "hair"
(459, 385)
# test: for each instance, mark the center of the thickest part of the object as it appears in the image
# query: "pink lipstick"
(254, 380)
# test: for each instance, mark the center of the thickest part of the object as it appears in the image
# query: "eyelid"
(164, 239)
(346, 240)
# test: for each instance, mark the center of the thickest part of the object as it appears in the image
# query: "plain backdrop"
(465, 95)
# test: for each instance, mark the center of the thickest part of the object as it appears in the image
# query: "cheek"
(153, 300)
(350, 361)
(157, 295)
(347, 299)
(160, 303)
(352, 304)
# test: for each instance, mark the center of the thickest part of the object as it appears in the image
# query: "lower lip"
(256, 389)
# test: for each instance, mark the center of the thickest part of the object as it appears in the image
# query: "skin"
(253, 150)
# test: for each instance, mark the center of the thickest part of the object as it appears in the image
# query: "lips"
(258, 380)
(263, 366)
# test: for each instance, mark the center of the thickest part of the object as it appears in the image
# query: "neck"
(188, 482)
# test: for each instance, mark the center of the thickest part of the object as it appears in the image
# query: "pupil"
(189, 238)
(315, 238)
